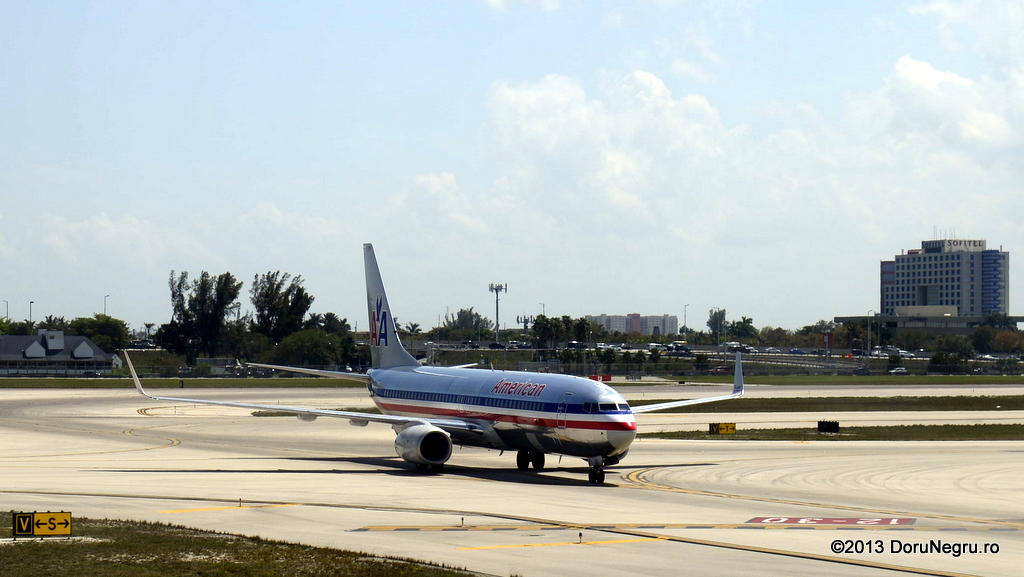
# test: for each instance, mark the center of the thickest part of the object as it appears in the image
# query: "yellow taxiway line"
(232, 507)
(562, 544)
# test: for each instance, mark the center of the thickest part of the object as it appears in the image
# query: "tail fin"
(386, 351)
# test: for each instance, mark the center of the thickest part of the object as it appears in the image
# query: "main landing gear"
(526, 458)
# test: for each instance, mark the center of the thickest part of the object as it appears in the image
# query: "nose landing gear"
(596, 473)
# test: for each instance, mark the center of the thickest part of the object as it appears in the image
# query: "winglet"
(737, 381)
(135, 376)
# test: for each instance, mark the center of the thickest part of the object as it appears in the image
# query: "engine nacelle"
(424, 445)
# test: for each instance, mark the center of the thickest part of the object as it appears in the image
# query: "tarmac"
(670, 508)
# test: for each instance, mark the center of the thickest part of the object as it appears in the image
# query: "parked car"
(796, 352)
(898, 371)
(722, 370)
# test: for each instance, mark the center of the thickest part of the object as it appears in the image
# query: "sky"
(654, 157)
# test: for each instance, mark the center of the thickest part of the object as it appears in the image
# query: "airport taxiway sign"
(42, 524)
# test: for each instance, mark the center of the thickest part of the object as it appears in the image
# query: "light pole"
(686, 306)
(30, 303)
(7, 310)
(105, 297)
(497, 289)
(543, 310)
(870, 314)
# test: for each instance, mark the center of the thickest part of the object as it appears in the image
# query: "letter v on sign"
(23, 524)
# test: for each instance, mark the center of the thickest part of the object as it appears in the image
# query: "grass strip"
(189, 383)
(861, 380)
(833, 404)
(369, 410)
(893, 433)
(140, 549)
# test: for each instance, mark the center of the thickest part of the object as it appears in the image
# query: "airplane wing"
(309, 414)
(737, 391)
(331, 374)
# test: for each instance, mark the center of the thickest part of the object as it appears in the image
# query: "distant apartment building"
(962, 276)
(655, 325)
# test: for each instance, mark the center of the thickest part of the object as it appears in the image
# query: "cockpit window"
(608, 407)
(623, 407)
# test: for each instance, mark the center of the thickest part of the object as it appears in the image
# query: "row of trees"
(206, 320)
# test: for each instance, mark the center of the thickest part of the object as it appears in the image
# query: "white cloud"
(611, 162)
(506, 5)
(994, 28)
(439, 195)
(129, 239)
(922, 104)
(689, 69)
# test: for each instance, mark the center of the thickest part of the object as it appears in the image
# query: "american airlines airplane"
(432, 408)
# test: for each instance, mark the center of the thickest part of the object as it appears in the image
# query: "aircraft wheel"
(538, 461)
(523, 460)
(596, 476)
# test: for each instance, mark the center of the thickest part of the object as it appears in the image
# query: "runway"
(670, 508)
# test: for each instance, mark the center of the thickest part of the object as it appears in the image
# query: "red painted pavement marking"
(833, 521)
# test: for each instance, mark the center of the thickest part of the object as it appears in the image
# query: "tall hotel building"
(947, 273)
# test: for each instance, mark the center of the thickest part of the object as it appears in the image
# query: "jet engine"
(424, 445)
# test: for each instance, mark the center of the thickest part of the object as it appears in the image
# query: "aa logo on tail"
(379, 325)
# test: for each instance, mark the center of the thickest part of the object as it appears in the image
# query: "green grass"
(863, 380)
(370, 410)
(137, 549)
(897, 433)
(163, 383)
(832, 404)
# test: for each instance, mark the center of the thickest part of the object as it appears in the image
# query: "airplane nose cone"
(621, 440)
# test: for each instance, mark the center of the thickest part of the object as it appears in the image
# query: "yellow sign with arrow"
(45, 524)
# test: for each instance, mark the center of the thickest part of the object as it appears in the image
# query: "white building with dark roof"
(52, 353)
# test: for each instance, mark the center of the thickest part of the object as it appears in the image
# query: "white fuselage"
(516, 410)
